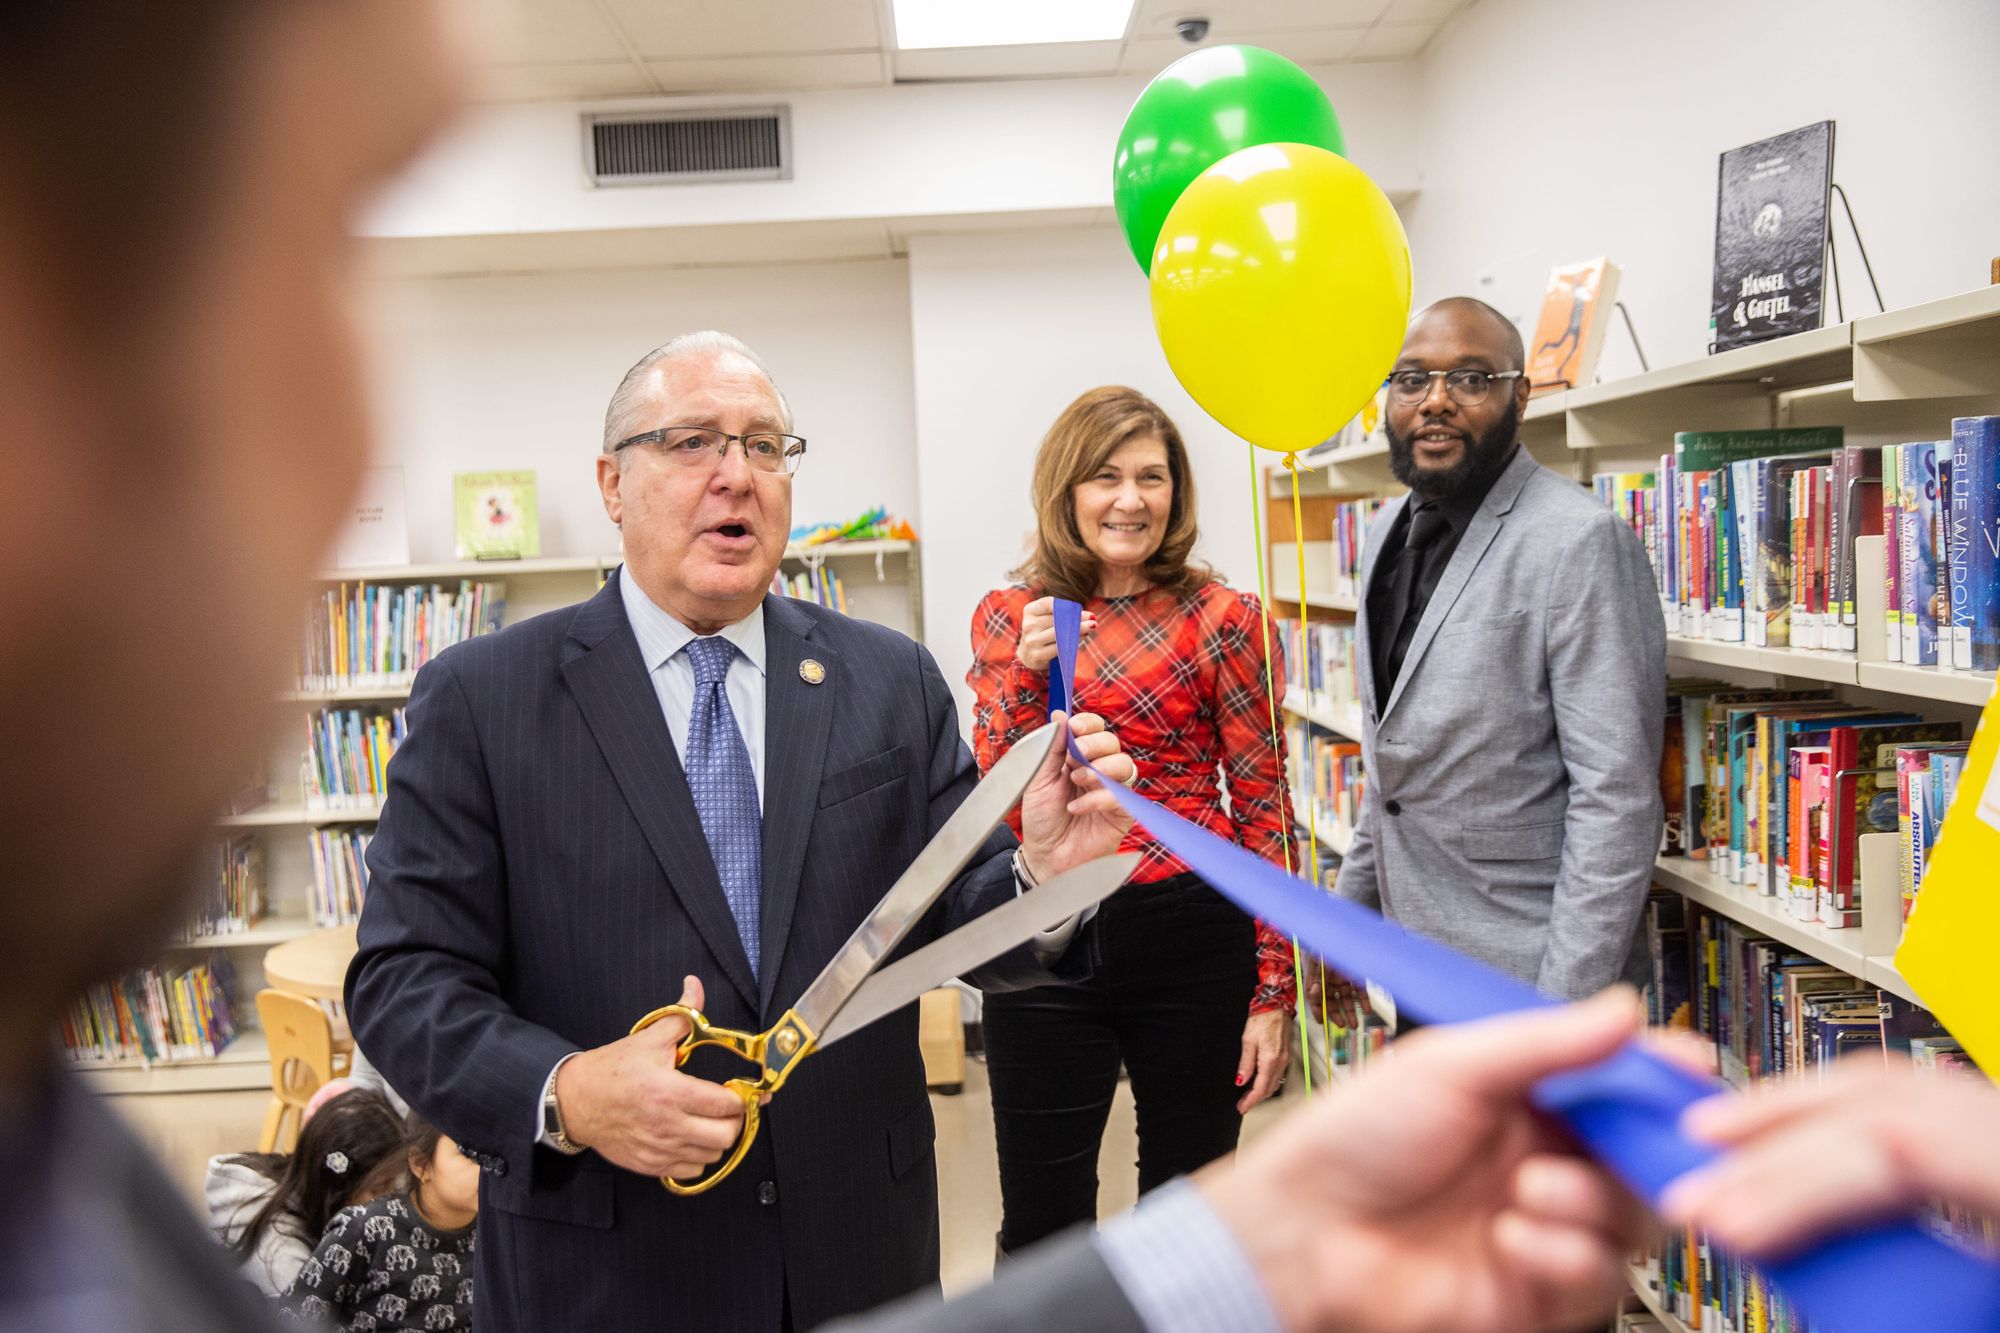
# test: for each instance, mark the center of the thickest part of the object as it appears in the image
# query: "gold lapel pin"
(811, 672)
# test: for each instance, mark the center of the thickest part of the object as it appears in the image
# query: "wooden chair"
(302, 1058)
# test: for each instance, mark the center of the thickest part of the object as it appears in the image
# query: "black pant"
(1176, 966)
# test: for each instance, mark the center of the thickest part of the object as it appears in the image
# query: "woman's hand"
(1037, 647)
(1267, 1054)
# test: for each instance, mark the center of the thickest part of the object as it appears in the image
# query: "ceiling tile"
(1150, 55)
(680, 29)
(1395, 41)
(756, 74)
(536, 31)
(561, 82)
(1157, 17)
(1008, 62)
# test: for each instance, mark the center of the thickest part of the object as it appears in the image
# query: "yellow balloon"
(1281, 289)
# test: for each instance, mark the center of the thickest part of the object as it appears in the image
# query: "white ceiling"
(560, 49)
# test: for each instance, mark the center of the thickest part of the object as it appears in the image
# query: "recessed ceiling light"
(924, 24)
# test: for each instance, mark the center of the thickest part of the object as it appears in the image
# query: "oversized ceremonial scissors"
(850, 993)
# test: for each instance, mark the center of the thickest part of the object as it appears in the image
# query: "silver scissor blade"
(928, 876)
(979, 941)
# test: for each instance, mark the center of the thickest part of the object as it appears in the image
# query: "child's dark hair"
(339, 1149)
(392, 1175)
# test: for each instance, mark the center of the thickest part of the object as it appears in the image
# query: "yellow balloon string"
(1312, 801)
(1271, 704)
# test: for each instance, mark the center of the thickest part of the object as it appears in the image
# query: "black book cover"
(1770, 237)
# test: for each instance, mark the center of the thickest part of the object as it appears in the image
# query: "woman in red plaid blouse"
(1188, 994)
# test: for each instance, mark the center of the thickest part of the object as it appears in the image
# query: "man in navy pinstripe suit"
(687, 786)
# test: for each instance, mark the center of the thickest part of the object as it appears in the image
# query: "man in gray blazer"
(1513, 679)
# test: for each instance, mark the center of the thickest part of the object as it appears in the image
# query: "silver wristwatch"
(552, 1123)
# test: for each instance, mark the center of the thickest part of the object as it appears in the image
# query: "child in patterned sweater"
(403, 1261)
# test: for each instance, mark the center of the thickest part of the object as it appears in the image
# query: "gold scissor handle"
(790, 1039)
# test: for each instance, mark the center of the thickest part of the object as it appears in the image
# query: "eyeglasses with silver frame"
(1466, 386)
(696, 446)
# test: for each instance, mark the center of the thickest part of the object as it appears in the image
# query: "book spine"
(1892, 534)
(1801, 489)
(1919, 601)
(1842, 543)
(1981, 449)
(1941, 552)
(1958, 549)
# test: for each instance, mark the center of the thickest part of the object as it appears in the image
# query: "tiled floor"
(185, 1129)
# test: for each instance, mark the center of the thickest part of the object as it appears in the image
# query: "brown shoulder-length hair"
(1088, 432)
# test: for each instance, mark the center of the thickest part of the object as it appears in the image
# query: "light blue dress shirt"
(661, 639)
(1183, 1269)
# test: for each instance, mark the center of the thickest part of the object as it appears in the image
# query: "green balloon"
(1200, 109)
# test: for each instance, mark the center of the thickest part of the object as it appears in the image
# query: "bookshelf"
(883, 582)
(1886, 378)
(243, 1064)
(1642, 1288)
(1321, 712)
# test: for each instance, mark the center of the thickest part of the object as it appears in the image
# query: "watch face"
(551, 1117)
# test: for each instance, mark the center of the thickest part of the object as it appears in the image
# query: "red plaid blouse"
(1182, 682)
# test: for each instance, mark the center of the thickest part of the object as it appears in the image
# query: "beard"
(1479, 462)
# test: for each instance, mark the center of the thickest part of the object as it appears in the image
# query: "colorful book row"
(234, 897)
(340, 875)
(158, 1014)
(1327, 769)
(346, 763)
(364, 634)
(1350, 539)
(1752, 538)
(1771, 1012)
(1319, 658)
(1777, 786)
(818, 584)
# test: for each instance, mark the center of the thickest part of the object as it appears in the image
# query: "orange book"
(1569, 333)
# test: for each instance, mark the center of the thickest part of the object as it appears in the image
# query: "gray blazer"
(1513, 806)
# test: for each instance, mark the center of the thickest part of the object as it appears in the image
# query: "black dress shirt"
(1408, 573)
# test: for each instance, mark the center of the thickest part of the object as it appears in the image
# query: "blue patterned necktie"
(725, 789)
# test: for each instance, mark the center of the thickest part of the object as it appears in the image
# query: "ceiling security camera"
(1192, 31)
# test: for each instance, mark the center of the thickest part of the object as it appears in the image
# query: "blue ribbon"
(1626, 1111)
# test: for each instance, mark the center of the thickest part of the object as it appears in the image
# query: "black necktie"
(1406, 587)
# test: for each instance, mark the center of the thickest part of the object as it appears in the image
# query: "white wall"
(1559, 130)
(910, 151)
(515, 372)
(1007, 330)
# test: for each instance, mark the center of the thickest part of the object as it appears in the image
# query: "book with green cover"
(1706, 450)
(497, 516)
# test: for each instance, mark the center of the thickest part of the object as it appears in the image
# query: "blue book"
(1975, 451)
(1958, 552)
(1744, 548)
(1918, 577)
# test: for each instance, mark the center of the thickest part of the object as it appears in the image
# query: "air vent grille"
(741, 143)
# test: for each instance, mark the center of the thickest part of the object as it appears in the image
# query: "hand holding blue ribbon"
(1625, 1112)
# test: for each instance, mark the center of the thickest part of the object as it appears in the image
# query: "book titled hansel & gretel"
(497, 516)
(1770, 237)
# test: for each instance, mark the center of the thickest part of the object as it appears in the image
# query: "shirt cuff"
(1182, 1269)
(549, 1086)
(1052, 943)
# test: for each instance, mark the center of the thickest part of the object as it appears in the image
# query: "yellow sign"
(1954, 928)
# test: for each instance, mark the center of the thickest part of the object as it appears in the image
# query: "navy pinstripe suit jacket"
(539, 880)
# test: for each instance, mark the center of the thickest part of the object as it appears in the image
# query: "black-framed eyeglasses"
(698, 446)
(1466, 386)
